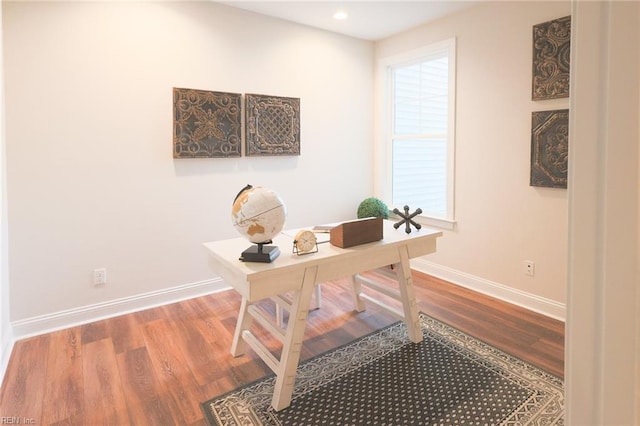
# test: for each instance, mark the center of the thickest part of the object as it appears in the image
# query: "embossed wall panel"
(206, 124)
(272, 125)
(551, 58)
(549, 148)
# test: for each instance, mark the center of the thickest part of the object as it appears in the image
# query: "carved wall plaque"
(206, 124)
(549, 148)
(551, 57)
(272, 125)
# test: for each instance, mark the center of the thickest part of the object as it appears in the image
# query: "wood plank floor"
(154, 367)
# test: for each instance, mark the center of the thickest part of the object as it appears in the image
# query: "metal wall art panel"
(206, 124)
(551, 57)
(549, 148)
(272, 125)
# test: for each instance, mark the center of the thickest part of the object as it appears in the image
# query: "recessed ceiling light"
(340, 15)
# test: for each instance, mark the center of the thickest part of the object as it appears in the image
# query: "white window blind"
(421, 162)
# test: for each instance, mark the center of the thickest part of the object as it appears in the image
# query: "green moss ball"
(373, 207)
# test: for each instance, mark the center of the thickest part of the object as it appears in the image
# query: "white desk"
(299, 274)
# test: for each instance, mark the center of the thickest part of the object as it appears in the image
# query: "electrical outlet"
(100, 276)
(529, 268)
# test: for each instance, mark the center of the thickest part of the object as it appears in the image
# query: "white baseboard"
(86, 314)
(544, 306)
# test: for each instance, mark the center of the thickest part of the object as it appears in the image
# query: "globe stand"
(260, 253)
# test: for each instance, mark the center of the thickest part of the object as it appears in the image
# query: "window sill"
(430, 222)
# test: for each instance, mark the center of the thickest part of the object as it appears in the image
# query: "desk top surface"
(226, 253)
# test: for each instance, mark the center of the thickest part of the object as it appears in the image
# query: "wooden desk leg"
(292, 346)
(244, 322)
(317, 296)
(407, 294)
(356, 289)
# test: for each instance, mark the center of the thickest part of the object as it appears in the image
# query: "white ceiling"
(368, 20)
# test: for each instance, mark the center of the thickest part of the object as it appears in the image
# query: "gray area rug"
(449, 378)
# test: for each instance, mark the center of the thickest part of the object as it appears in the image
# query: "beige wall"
(91, 179)
(5, 328)
(501, 220)
(601, 339)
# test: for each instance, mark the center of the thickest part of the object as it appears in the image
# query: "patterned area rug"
(449, 378)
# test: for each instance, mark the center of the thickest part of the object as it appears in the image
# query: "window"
(418, 135)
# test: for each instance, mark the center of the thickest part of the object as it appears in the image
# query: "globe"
(258, 214)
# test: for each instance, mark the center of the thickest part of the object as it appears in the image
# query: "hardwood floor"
(154, 367)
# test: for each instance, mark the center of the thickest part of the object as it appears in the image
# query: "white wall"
(501, 220)
(601, 350)
(91, 179)
(5, 329)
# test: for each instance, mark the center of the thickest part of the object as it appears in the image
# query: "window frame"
(384, 133)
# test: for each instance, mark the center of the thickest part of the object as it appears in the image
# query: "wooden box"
(356, 232)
